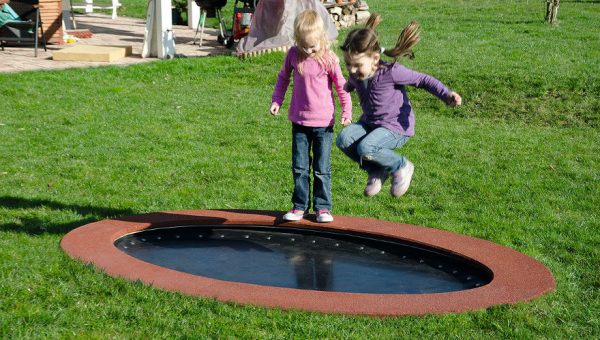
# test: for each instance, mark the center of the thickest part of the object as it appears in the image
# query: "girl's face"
(311, 44)
(362, 65)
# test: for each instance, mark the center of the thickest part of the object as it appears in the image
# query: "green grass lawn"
(518, 165)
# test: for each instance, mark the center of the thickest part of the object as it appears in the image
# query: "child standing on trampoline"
(315, 68)
(388, 120)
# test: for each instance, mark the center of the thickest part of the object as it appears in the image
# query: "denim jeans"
(372, 148)
(304, 139)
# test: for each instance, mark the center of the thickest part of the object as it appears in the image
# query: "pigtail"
(406, 41)
(363, 40)
(373, 22)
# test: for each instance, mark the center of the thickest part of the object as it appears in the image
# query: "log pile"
(347, 13)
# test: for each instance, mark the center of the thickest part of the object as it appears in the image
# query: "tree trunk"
(554, 19)
(552, 11)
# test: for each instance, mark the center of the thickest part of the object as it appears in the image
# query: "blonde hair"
(307, 23)
(365, 40)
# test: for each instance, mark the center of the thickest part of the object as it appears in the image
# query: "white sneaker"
(294, 215)
(374, 182)
(324, 216)
(401, 179)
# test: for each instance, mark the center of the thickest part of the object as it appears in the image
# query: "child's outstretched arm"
(454, 99)
(405, 76)
(339, 81)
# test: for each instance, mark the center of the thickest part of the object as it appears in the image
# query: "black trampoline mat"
(305, 259)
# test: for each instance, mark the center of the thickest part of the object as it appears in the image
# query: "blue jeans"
(372, 148)
(304, 139)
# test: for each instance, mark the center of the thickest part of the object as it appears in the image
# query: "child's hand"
(346, 121)
(454, 99)
(274, 109)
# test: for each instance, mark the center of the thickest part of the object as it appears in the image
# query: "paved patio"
(122, 31)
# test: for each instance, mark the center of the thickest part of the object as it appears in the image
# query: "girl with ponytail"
(388, 120)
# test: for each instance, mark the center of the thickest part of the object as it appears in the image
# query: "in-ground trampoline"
(353, 265)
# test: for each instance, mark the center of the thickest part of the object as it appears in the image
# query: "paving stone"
(122, 31)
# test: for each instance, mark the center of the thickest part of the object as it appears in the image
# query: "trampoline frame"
(516, 277)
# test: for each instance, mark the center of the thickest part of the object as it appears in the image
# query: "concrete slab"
(92, 53)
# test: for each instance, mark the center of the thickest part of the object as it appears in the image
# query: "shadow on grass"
(32, 224)
(38, 222)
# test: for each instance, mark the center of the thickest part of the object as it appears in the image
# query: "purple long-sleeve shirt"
(384, 100)
(312, 96)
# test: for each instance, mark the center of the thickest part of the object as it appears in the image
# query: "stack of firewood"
(347, 13)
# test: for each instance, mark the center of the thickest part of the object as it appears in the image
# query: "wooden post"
(193, 11)
(158, 36)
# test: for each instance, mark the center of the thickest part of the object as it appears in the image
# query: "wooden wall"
(51, 15)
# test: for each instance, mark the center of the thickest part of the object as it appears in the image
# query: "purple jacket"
(384, 100)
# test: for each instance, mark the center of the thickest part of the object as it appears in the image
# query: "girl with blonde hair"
(315, 68)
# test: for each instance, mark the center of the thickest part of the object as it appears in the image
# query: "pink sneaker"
(374, 183)
(401, 179)
(294, 215)
(324, 216)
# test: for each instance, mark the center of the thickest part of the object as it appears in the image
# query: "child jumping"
(388, 120)
(311, 112)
